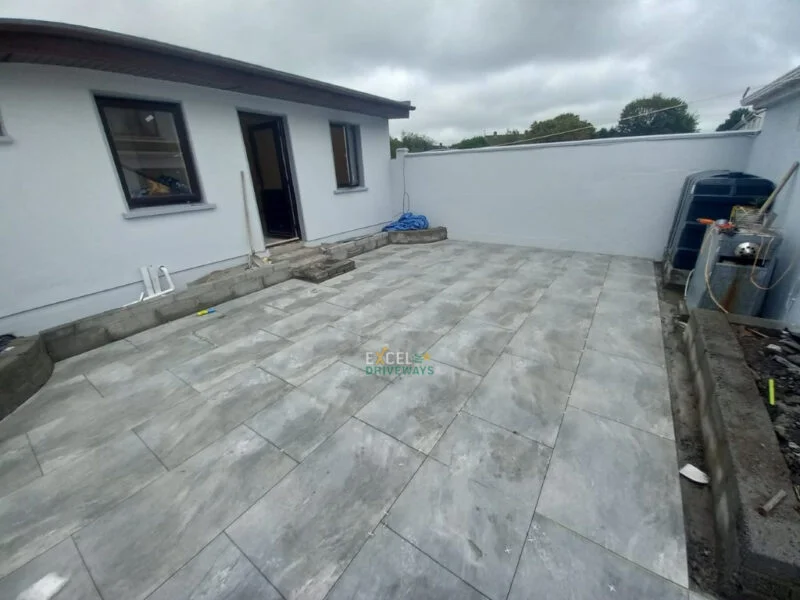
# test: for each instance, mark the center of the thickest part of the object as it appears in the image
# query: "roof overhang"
(43, 42)
(783, 87)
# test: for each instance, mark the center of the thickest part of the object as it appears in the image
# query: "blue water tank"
(709, 195)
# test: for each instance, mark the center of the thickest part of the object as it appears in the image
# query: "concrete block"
(24, 369)
(418, 236)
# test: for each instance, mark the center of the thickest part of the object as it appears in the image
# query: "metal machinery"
(734, 267)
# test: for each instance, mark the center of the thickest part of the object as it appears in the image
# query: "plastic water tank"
(709, 195)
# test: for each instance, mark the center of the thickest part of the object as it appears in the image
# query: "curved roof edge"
(63, 44)
(784, 86)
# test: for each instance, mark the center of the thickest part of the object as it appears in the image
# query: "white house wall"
(775, 149)
(610, 196)
(66, 249)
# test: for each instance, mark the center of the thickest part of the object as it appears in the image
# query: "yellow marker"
(772, 392)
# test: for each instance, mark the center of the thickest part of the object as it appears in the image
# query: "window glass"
(150, 150)
(346, 155)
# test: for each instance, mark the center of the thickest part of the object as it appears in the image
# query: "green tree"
(479, 141)
(415, 142)
(560, 129)
(656, 115)
(606, 133)
(737, 116)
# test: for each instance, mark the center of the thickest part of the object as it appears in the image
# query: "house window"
(151, 151)
(346, 143)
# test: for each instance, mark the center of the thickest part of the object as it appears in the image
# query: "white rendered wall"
(66, 249)
(774, 151)
(610, 196)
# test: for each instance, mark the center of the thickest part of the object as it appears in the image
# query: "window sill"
(352, 190)
(157, 211)
(6, 139)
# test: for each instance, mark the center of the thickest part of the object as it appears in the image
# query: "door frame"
(285, 163)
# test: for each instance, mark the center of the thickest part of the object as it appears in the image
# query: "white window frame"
(355, 165)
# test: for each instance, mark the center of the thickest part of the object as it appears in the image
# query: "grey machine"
(734, 268)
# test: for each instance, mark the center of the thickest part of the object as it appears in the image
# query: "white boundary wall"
(613, 196)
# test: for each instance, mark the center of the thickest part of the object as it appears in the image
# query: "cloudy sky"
(475, 66)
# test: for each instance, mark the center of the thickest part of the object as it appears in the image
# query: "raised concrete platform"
(759, 556)
(318, 272)
(25, 366)
(418, 236)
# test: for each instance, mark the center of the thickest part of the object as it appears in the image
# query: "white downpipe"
(151, 278)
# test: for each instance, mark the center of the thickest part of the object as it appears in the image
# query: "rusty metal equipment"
(733, 269)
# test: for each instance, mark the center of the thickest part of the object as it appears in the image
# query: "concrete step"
(307, 260)
(286, 248)
(296, 255)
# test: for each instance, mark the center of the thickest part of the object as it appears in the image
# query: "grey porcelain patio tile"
(523, 395)
(259, 298)
(219, 572)
(306, 530)
(18, 464)
(397, 337)
(240, 324)
(557, 563)
(310, 355)
(121, 375)
(473, 530)
(366, 321)
(626, 390)
(631, 266)
(389, 568)
(39, 515)
(554, 323)
(93, 359)
(58, 574)
(576, 287)
(360, 293)
(472, 291)
(416, 409)
(177, 433)
(506, 309)
(54, 401)
(495, 457)
(301, 420)
(142, 541)
(178, 327)
(62, 441)
(526, 287)
(615, 301)
(342, 282)
(212, 367)
(471, 345)
(629, 282)
(618, 486)
(295, 326)
(440, 314)
(631, 335)
(295, 300)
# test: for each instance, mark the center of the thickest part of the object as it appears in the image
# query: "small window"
(346, 155)
(151, 151)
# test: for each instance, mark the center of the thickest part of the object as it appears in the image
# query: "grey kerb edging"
(758, 556)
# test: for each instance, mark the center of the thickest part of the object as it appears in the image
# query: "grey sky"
(480, 65)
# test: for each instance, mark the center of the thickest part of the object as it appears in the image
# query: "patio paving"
(526, 450)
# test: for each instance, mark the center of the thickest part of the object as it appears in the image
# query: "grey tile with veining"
(626, 390)
(259, 298)
(302, 419)
(558, 563)
(473, 530)
(630, 335)
(494, 456)
(61, 441)
(44, 512)
(121, 375)
(397, 337)
(54, 401)
(58, 574)
(505, 309)
(643, 302)
(212, 367)
(585, 288)
(472, 291)
(240, 324)
(219, 572)
(631, 266)
(298, 298)
(523, 395)
(307, 529)
(471, 345)
(361, 293)
(527, 344)
(629, 282)
(366, 321)
(177, 433)
(416, 409)
(93, 359)
(295, 326)
(618, 486)
(136, 546)
(310, 355)
(178, 327)
(440, 314)
(553, 323)
(343, 281)
(526, 288)
(18, 464)
(389, 568)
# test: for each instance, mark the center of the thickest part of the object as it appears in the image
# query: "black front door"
(272, 181)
